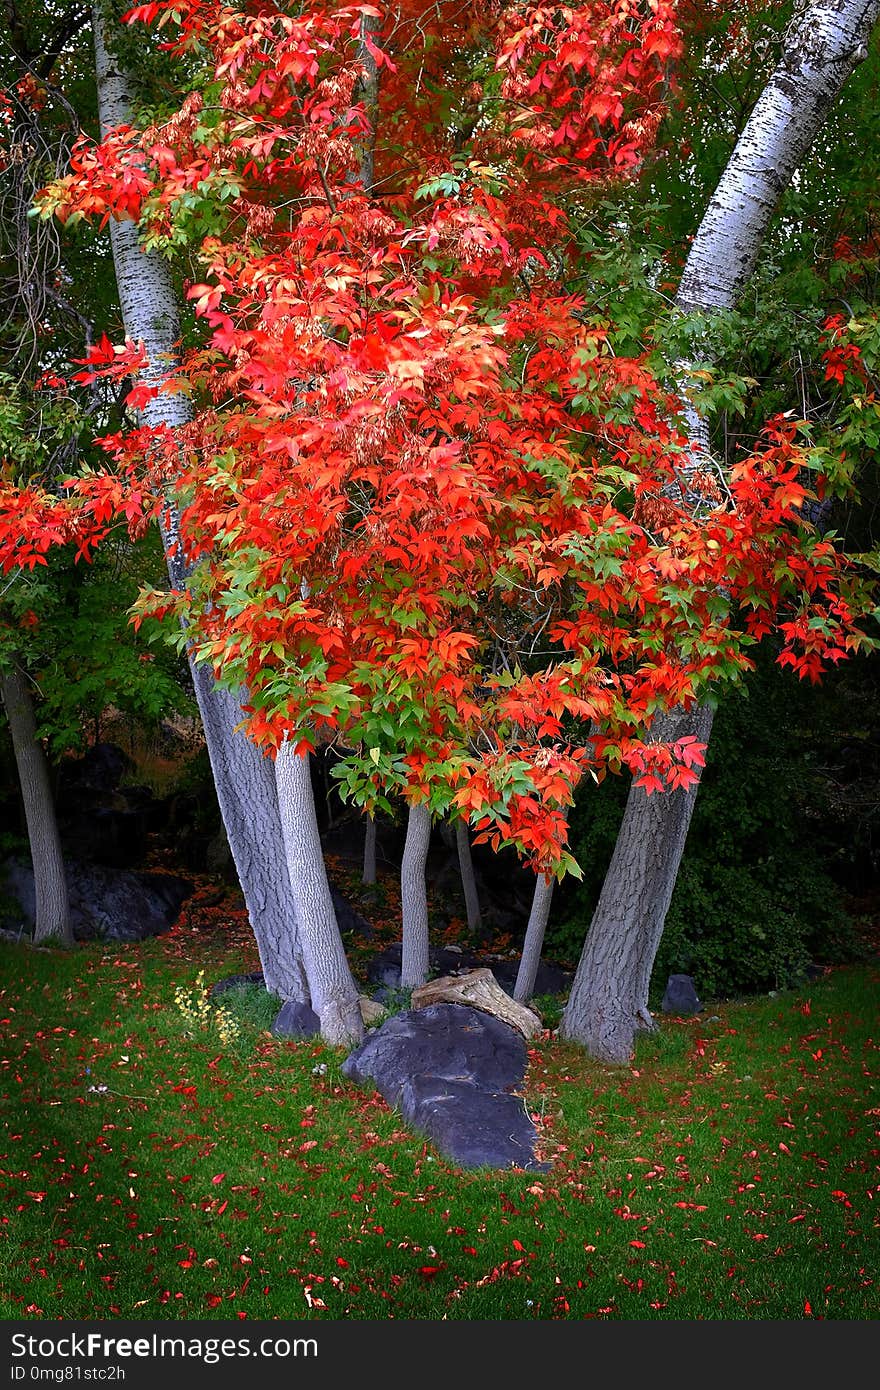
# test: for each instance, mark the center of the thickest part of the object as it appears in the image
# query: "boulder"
(479, 990)
(105, 903)
(348, 918)
(253, 977)
(680, 996)
(550, 979)
(453, 1072)
(100, 768)
(384, 968)
(296, 1020)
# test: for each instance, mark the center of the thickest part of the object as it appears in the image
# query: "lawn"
(155, 1167)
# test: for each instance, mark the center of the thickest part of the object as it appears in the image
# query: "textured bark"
(468, 882)
(823, 44)
(333, 991)
(369, 874)
(414, 898)
(609, 995)
(533, 944)
(367, 92)
(244, 779)
(52, 912)
(821, 48)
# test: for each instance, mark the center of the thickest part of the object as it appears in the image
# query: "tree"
(609, 997)
(52, 912)
(432, 515)
(244, 780)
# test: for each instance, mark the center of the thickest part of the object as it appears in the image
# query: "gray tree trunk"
(333, 991)
(533, 944)
(369, 873)
(825, 41)
(244, 779)
(609, 995)
(414, 899)
(468, 881)
(52, 911)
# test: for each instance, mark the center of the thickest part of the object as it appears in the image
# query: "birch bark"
(244, 779)
(533, 944)
(824, 43)
(468, 878)
(52, 910)
(333, 990)
(414, 899)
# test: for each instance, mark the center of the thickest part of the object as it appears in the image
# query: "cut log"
(480, 990)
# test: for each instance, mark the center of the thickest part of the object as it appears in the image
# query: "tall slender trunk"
(52, 912)
(244, 779)
(609, 994)
(609, 997)
(533, 944)
(468, 881)
(369, 872)
(414, 899)
(333, 991)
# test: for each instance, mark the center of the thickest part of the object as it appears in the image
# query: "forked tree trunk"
(533, 943)
(414, 899)
(52, 911)
(244, 779)
(468, 881)
(609, 996)
(369, 873)
(333, 991)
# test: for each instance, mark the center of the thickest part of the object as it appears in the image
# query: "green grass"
(731, 1172)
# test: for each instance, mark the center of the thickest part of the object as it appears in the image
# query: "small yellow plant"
(195, 1008)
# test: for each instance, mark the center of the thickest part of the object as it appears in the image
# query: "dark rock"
(218, 855)
(451, 1071)
(255, 977)
(295, 1020)
(680, 996)
(478, 1129)
(349, 919)
(384, 968)
(111, 835)
(550, 979)
(101, 768)
(104, 903)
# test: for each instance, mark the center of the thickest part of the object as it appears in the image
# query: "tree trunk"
(369, 874)
(249, 803)
(822, 46)
(609, 995)
(533, 943)
(414, 899)
(52, 912)
(468, 882)
(244, 779)
(333, 990)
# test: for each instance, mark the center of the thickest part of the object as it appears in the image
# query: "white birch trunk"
(52, 909)
(533, 942)
(609, 997)
(244, 779)
(468, 881)
(334, 993)
(414, 899)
